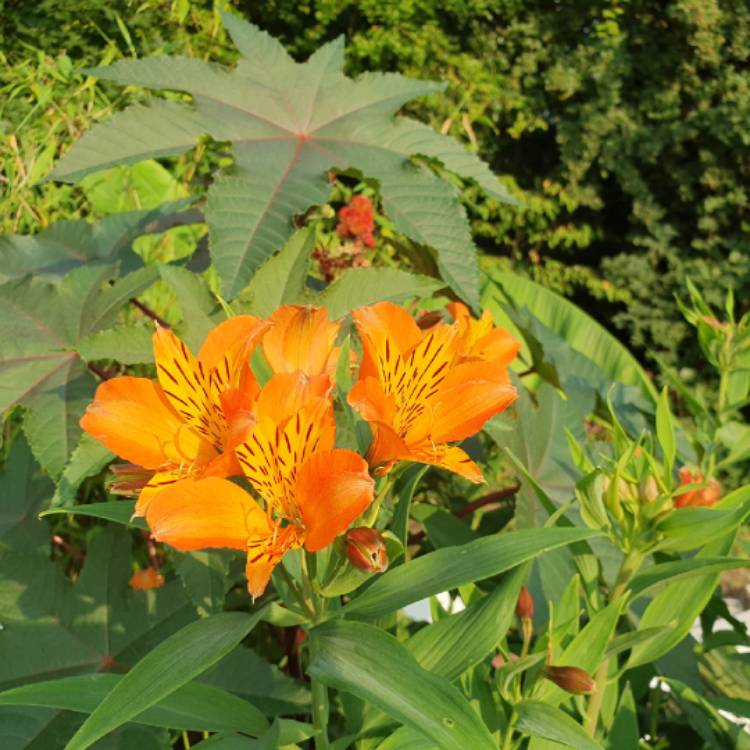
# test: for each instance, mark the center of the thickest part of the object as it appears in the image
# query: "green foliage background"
(620, 125)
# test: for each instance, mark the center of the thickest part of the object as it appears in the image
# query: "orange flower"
(704, 496)
(188, 423)
(419, 392)
(301, 339)
(480, 339)
(310, 491)
(143, 580)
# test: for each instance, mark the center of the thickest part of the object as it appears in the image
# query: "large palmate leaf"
(568, 321)
(290, 123)
(65, 245)
(52, 628)
(41, 323)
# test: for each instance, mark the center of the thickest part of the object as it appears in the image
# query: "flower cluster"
(207, 419)
(357, 221)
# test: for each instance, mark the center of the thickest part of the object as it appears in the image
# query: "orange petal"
(241, 331)
(264, 553)
(471, 393)
(385, 330)
(452, 458)
(368, 398)
(497, 347)
(302, 339)
(204, 513)
(286, 393)
(133, 419)
(386, 447)
(273, 454)
(158, 483)
(426, 367)
(186, 385)
(333, 488)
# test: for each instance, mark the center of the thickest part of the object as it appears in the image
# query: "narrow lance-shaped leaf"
(374, 666)
(172, 664)
(454, 566)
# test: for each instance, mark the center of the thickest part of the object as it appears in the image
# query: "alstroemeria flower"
(481, 339)
(187, 423)
(309, 491)
(302, 338)
(701, 497)
(418, 392)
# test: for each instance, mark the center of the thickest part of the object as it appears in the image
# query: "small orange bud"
(525, 605)
(142, 580)
(571, 679)
(365, 548)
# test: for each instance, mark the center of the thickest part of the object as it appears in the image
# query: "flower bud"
(129, 479)
(365, 548)
(648, 490)
(703, 497)
(571, 679)
(143, 580)
(525, 605)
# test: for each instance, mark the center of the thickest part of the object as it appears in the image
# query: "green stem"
(318, 691)
(508, 739)
(629, 567)
(297, 593)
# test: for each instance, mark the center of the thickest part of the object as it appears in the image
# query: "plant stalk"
(319, 692)
(630, 566)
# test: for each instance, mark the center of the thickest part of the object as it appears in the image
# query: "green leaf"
(688, 528)
(172, 664)
(735, 437)
(24, 490)
(89, 458)
(205, 575)
(627, 641)
(677, 570)
(505, 675)
(625, 734)
(365, 286)
(665, 433)
(586, 651)
(404, 489)
(129, 345)
(365, 661)
(41, 323)
(281, 279)
(65, 245)
(568, 321)
(451, 645)
(288, 129)
(50, 625)
(455, 566)
(541, 720)
(118, 511)
(676, 608)
(538, 440)
(191, 707)
(270, 689)
(406, 738)
(199, 307)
